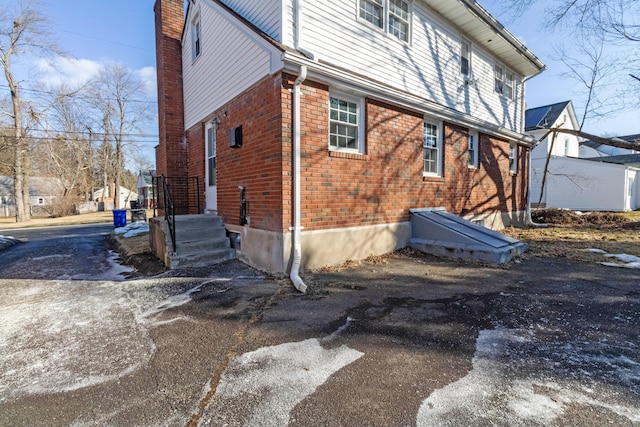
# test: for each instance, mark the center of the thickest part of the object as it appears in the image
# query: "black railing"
(175, 196)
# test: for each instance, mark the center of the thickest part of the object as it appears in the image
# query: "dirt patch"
(136, 252)
(570, 235)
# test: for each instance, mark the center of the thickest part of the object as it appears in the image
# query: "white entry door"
(211, 192)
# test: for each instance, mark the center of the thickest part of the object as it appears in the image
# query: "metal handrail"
(176, 195)
(169, 212)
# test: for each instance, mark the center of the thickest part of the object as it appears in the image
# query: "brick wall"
(259, 164)
(345, 190)
(381, 186)
(171, 152)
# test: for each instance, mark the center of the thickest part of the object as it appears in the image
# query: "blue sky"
(95, 31)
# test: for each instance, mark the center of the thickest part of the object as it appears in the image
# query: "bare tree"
(67, 152)
(116, 97)
(595, 74)
(23, 32)
(589, 26)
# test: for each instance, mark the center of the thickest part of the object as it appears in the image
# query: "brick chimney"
(171, 152)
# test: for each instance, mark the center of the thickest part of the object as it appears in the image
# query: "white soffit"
(478, 24)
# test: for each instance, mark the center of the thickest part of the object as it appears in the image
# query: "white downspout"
(297, 246)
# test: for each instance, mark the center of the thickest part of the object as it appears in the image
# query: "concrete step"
(198, 220)
(202, 259)
(184, 246)
(195, 233)
(200, 240)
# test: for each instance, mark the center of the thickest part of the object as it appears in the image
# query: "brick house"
(388, 105)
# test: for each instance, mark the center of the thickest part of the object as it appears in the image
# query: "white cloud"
(76, 72)
(149, 80)
(70, 71)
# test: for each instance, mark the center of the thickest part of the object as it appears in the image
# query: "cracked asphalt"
(407, 340)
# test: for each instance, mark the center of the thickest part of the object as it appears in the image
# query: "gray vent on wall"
(235, 137)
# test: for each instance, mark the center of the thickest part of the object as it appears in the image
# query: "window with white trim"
(211, 156)
(505, 82)
(513, 158)
(465, 57)
(432, 148)
(498, 72)
(345, 123)
(509, 84)
(392, 16)
(472, 150)
(196, 40)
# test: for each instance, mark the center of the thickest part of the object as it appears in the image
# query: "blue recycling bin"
(119, 217)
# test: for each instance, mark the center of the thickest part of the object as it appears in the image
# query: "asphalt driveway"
(407, 340)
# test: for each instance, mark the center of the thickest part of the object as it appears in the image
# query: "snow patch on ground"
(171, 302)
(265, 385)
(59, 336)
(497, 391)
(629, 261)
(133, 229)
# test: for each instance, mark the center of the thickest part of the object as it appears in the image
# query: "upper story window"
(392, 16)
(196, 41)
(465, 57)
(345, 123)
(432, 148)
(513, 158)
(472, 150)
(505, 82)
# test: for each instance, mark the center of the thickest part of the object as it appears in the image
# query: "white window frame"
(211, 154)
(504, 81)
(437, 149)
(513, 158)
(473, 145)
(387, 16)
(464, 42)
(509, 84)
(359, 125)
(196, 37)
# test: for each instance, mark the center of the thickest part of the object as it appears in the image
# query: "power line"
(101, 39)
(140, 101)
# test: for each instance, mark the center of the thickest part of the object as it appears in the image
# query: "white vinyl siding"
(429, 67)
(221, 73)
(264, 14)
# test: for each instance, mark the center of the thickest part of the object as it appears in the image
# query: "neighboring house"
(146, 195)
(126, 195)
(538, 121)
(43, 193)
(591, 149)
(572, 182)
(333, 119)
